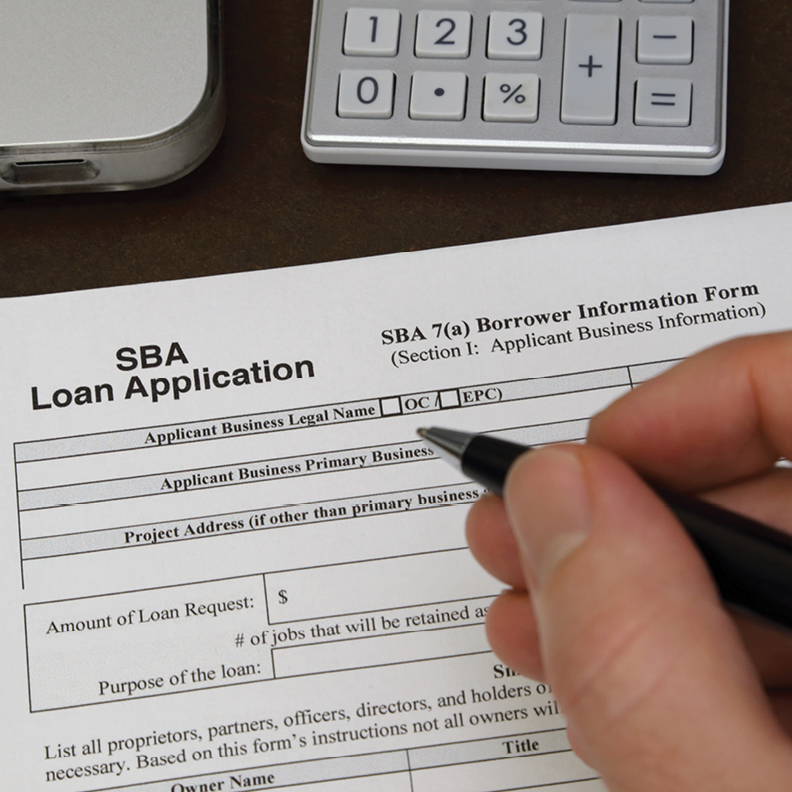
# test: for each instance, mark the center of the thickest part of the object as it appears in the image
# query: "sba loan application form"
(228, 563)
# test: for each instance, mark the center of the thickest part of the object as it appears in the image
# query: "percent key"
(511, 97)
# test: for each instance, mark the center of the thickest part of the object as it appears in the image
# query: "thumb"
(648, 668)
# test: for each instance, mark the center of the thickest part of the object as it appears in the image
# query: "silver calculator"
(630, 86)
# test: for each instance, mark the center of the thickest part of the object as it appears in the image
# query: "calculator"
(630, 86)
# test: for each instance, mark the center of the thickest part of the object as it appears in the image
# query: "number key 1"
(372, 31)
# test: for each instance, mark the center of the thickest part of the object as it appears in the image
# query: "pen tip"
(421, 431)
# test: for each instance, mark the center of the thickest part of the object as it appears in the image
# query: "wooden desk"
(257, 202)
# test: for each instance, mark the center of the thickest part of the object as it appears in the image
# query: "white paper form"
(228, 561)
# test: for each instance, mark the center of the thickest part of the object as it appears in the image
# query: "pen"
(750, 562)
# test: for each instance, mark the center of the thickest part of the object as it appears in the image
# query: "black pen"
(750, 562)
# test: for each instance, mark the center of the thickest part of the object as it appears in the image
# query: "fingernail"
(549, 508)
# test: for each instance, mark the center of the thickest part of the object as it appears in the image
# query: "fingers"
(492, 541)
(512, 625)
(512, 633)
(719, 417)
(770, 651)
(767, 498)
(646, 665)
(716, 417)
(782, 706)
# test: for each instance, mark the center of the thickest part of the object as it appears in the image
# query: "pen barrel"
(488, 459)
(751, 563)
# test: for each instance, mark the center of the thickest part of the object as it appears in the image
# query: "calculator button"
(365, 94)
(443, 34)
(515, 35)
(511, 97)
(438, 96)
(372, 31)
(661, 102)
(591, 66)
(665, 40)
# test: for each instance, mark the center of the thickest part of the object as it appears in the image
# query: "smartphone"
(107, 94)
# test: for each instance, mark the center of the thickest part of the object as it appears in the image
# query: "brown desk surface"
(257, 202)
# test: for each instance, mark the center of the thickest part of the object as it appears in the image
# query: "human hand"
(613, 606)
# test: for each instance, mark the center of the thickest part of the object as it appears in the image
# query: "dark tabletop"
(257, 202)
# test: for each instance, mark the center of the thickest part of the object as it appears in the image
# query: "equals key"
(663, 102)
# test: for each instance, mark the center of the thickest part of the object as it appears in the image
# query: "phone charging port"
(42, 172)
